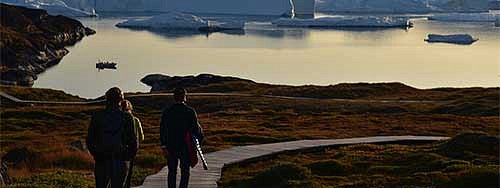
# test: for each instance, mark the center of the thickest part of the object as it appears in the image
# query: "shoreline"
(231, 82)
(33, 41)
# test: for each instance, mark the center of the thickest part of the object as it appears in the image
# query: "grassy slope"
(46, 132)
(391, 90)
(468, 160)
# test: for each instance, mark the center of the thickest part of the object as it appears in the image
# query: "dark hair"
(113, 96)
(180, 92)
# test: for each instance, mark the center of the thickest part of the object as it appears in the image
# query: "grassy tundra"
(41, 144)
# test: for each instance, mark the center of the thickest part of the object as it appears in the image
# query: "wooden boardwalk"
(241, 154)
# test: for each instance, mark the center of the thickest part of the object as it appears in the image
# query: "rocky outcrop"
(215, 83)
(159, 82)
(32, 41)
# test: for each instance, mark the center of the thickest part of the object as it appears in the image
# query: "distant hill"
(32, 40)
(467, 99)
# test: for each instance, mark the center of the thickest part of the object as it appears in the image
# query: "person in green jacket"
(138, 133)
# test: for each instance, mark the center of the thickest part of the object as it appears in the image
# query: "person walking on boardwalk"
(111, 141)
(139, 136)
(176, 122)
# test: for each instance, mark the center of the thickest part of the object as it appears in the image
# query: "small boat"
(464, 39)
(105, 65)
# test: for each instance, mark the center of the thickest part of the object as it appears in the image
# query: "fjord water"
(294, 56)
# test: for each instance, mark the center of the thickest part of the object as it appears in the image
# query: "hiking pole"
(200, 152)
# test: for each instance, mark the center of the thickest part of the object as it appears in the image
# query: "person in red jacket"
(176, 122)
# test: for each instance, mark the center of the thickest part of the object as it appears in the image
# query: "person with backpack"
(178, 122)
(111, 142)
(138, 132)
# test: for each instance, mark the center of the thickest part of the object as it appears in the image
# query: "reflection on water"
(265, 53)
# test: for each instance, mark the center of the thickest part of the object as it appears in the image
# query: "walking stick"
(200, 152)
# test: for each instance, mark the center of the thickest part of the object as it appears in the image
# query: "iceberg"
(53, 7)
(226, 25)
(464, 17)
(243, 7)
(170, 20)
(497, 20)
(401, 6)
(370, 6)
(455, 39)
(237, 7)
(269, 7)
(180, 21)
(370, 21)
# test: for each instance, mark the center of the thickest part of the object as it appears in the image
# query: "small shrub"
(384, 170)
(329, 168)
(361, 166)
(461, 146)
(424, 162)
(484, 177)
(74, 161)
(25, 155)
(283, 175)
(456, 168)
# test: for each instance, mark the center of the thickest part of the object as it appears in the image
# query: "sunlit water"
(268, 54)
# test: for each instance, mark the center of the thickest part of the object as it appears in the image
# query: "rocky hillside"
(32, 41)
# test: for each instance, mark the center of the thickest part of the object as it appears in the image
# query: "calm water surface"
(268, 54)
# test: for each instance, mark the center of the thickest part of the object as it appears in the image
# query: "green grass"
(47, 131)
(57, 179)
(368, 165)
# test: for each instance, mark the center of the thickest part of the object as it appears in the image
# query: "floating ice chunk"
(464, 17)
(170, 20)
(497, 20)
(181, 21)
(227, 25)
(53, 7)
(455, 39)
(370, 21)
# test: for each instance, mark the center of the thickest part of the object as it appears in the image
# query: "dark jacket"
(111, 134)
(176, 121)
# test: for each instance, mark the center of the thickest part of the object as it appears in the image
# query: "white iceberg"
(370, 21)
(53, 7)
(227, 25)
(497, 20)
(464, 17)
(401, 6)
(241, 7)
(170, 20)
(180, 21)
(455, 39)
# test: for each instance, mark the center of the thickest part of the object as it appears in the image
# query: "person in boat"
(176, 122)
(111, 142)
(138, 133)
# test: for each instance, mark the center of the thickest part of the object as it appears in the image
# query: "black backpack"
(113, 133)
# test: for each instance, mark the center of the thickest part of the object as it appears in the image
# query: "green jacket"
(139, 134)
